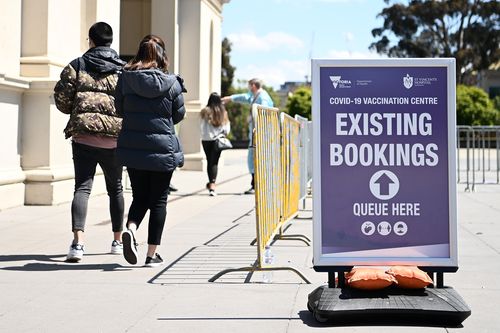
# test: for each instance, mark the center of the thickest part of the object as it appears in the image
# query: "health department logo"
(337, 82)
(408, 81)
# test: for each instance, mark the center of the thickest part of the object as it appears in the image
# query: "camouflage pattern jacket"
(86, 92)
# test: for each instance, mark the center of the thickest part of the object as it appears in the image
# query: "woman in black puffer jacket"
(151, 103)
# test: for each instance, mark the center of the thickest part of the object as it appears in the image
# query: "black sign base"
(391, 306)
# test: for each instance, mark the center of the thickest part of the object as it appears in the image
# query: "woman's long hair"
(215, 112)
(151, 54)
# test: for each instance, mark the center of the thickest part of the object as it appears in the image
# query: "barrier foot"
(297, 235)
(258, 269)
(230, 270)
(292, 237)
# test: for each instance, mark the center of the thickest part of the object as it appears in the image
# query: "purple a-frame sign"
(384, 162)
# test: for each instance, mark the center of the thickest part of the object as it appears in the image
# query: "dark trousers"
(213, 156)
(85, 160)
(149, 191)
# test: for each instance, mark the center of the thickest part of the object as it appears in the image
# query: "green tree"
(227, 70)
(465, 29)
(300, 103)
(475, 108)
(496, 103)
(274, 96)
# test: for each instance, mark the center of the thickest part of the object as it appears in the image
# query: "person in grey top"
(213, 121)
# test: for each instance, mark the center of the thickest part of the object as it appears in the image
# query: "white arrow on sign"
(384, 184)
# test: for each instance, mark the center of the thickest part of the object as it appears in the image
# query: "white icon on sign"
(408, 81)
(384, 228)
(368, 228)
(384, 184)
(400, 228)
(335, 80)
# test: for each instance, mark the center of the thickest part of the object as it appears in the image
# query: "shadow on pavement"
(40, 267)
(32, 257)
(225, 318)
(57, 263)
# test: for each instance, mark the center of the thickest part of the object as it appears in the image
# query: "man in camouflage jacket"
(86, 92)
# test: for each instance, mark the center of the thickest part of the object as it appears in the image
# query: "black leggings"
(213, 156)
(149, 191)
(85, 160)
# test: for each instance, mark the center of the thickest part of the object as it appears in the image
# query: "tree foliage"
(465, 29)
(474, 107)
(227, 70)
(274, 96)
(300, 103)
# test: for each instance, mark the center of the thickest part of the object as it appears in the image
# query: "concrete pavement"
(39, 292)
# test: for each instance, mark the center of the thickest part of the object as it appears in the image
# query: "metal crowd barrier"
(304, 148)
(276, 158)
(309, 171)
(478, 152)
(290, 129)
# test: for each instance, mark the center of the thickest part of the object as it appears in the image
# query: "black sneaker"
(129, 247)
(250, 191)
(154, 261)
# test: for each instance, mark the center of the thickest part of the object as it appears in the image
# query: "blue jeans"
(250, 160)
(85, 160)
(250, 156)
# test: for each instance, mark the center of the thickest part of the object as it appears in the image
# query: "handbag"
(222, 143)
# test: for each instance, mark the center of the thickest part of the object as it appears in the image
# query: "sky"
(274, 40)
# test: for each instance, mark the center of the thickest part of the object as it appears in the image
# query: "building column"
(12, 177)
(11, 89)
(192, 32)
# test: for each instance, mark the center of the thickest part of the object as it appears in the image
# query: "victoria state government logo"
(337, 82)
(408, 81)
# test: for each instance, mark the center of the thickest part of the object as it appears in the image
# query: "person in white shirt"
(213, 121)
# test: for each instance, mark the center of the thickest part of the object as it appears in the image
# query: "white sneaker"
(75, 253)
(116, 247)
(212, 193)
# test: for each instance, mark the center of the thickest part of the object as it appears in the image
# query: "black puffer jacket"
(150, 102)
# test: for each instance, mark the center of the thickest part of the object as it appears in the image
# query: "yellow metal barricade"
(290, 179)
(290, 164)
(276, 161)
(268, 178)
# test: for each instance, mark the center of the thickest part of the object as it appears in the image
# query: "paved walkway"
(39, 292)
